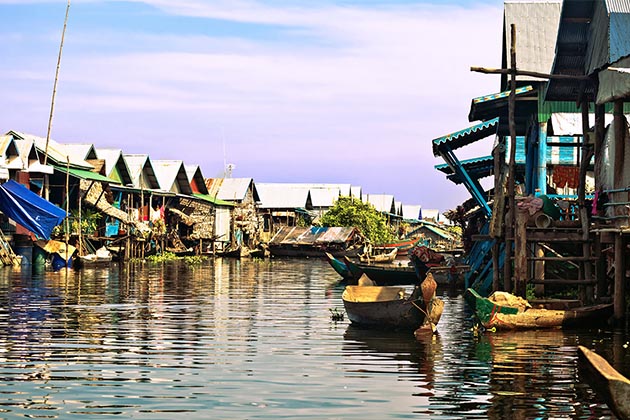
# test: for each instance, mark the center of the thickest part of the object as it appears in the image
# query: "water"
(255, 340)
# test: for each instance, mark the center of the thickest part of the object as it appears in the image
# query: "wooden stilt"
(619, 299)
(509, 231)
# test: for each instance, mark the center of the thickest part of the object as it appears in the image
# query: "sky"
(324, 91)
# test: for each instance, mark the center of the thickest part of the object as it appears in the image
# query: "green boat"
(504, 311)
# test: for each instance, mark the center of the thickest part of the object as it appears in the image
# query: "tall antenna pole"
(52, 104)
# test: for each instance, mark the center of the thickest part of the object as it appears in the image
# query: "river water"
(255, 339)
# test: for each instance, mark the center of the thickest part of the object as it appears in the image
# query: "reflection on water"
(255, 340)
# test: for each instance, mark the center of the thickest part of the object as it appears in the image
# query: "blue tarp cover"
(28, 209)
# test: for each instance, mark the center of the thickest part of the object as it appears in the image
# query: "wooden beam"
(529, 73)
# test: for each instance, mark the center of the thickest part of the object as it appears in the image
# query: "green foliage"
(350, 212)
(167, 256)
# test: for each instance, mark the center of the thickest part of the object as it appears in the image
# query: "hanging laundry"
(568, 176)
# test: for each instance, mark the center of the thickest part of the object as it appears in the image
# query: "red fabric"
(566, 176)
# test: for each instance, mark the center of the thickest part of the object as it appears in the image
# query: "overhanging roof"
(82, 174)
(491, 106)
(477, 168)
(464, 137)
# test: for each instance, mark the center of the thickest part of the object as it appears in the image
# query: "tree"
(351, 212)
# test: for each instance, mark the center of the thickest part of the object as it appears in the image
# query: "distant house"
(282, 205)
(243, 194)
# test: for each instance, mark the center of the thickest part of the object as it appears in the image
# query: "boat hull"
(610, 385)
(493, 315)
(383, 274)
(382, 307)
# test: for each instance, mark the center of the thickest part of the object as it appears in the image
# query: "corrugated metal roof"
(536, 24)
(312, 235)
(476, 168)
(324, 197)
(115, 162)
(194, 174)
(80, 151)
(382, 202)
(57, 153)
(466, 136)
(583, 45)
(172, 176)
(213, 200)
(234, 189)
(141, 171)
(411, 211)
(431, 214)
(491, 106)
(283, 196)
(356, 191)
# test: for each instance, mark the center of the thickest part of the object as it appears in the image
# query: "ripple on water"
(255, 340)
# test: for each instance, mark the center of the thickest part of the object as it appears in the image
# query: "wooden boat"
(339, 266)
(610, 385)
(508, 312)
(383, 274)
(102, 256)
(386, 307)
(386, 257)
(231, 252)
(391, 307)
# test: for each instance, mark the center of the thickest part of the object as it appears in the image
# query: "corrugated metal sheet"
(56, 152)
(234, 189)
(411, 211)
(536, 25)
(115, 163)
(556, 155)
(80, 151)
(382, 202)
(476, 168)
(172, 176)
(312, 235)
(324, 197)
(141, 171)
(283, 196)
(609, 38)
(466, 136)
(195, 176)
(491, 106)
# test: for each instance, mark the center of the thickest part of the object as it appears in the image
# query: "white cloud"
(375, 83)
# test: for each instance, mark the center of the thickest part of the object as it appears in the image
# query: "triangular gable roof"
(235, 189)
(115, 165)
(325, 197)
(172, 176)
(80, 151)
(283, 196)
(141, 171)
(195, 177)
(57, 153)
(412, 211)
(382, 202)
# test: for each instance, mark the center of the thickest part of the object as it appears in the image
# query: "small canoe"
(339, 266)
(504, 311)
(383, 307)
(384, 274)
(610, 385)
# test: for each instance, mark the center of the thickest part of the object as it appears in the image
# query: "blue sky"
(287, 91)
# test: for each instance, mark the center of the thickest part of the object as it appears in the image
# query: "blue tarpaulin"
(35, 213)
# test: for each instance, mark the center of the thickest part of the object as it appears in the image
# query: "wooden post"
(67, 235)
(54, 93)
(586, 155)
(520, 253)
(600, 268)
(509, 227)
(619, 299)
(539, 270)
